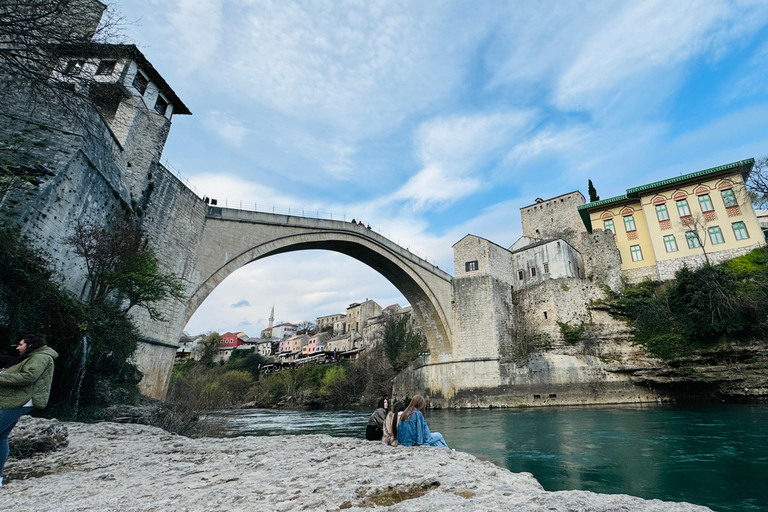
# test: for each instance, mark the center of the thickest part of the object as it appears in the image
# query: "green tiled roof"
(584, 209)
(747, 164)
(632, 193)
(603, 202)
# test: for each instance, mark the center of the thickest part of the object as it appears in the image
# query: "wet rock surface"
(129, 467)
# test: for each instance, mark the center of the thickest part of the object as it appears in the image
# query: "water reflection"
(710, 455)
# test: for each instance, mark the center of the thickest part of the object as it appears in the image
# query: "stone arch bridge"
(232, 238)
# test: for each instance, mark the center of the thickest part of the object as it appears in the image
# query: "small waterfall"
(84, 348)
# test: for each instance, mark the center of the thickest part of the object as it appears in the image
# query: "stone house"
(188, 347)
(558, 267)
(342, 342)
(334, 323)
(100, 149)
(281, 331)
(373, 332)
(266, 348)
(682, 221)
(359, 313)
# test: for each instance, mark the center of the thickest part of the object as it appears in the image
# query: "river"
(713, 455)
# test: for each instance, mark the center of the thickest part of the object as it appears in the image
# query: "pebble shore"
(127, 468)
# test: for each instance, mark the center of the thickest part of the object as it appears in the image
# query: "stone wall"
(637, 275)
(553, 218)
(91, 182)
(667, 268)
(86, 183)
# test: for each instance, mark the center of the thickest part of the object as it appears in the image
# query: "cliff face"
(738, 373)
(604, 368)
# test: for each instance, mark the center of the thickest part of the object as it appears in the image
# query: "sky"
(430, 120)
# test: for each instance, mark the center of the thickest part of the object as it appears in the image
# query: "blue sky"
(431, 120)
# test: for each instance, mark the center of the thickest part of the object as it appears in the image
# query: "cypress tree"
(593, 193)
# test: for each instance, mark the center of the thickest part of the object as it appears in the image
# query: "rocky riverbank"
(124, 467)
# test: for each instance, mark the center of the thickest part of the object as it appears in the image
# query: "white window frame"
(740, 233)
(729, 197)
(137, 83)
(716, 235)
(661, 212)
(629, 223)
(670, 244)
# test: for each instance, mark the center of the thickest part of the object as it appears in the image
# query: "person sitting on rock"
(413, 430)
(390, 424)
(375, 429)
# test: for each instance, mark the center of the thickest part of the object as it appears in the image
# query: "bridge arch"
(427, 288)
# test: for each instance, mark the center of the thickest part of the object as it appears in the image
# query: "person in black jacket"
(375, 429)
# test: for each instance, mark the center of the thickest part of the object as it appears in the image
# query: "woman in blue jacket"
(413, 430)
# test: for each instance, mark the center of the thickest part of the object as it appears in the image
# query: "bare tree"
(121, 267)
(695, 232)
(13, 178)
(306, 327)
(757, 183)
(36, 34)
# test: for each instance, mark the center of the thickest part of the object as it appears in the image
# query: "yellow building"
(686, 220)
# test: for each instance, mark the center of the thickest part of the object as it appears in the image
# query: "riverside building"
(704, 216)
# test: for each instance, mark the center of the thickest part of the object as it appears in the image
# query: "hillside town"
(332, 338)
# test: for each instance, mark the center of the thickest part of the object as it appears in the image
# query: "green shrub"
(572, 335)
(699, 307)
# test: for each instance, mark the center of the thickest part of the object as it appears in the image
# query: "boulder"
(31, 436)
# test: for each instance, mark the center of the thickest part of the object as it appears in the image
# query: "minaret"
(272, 317)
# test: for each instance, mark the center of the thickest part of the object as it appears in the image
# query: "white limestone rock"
(127, 467)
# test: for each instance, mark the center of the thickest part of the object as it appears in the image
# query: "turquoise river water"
(713, 455)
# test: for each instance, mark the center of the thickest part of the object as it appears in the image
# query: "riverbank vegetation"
(197, 386)
(95, 338)
(699, 309)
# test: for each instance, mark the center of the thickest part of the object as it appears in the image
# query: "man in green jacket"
(25, 384)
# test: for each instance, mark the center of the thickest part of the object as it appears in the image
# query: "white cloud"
(753, 77)
(648, 41)
(301, 286)
(548, 140)
(434, 187)
(195, 29)
(228, 128)
(532, 45)
(453, 151)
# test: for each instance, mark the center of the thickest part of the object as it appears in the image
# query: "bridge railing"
(255, 206)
